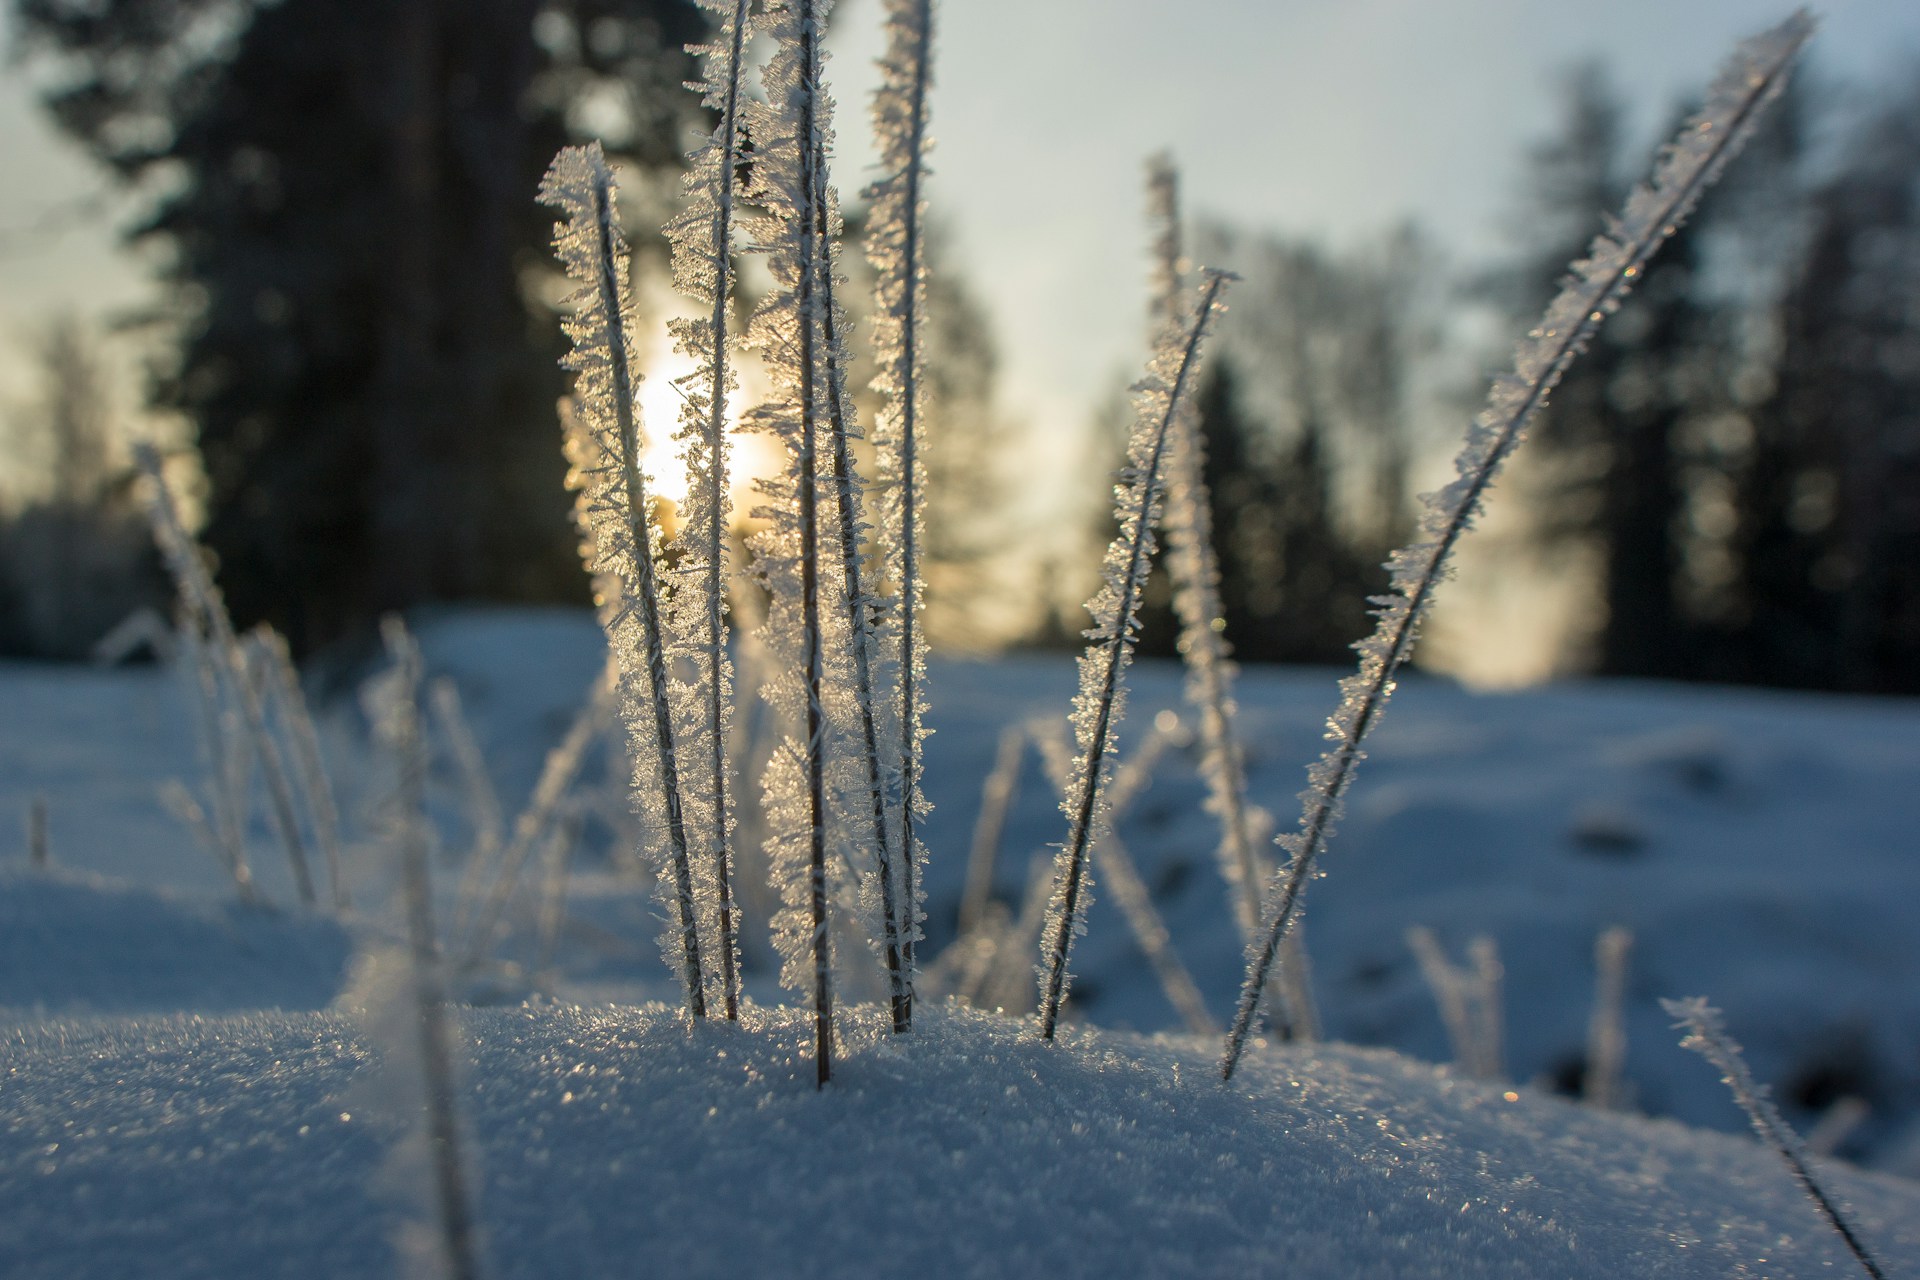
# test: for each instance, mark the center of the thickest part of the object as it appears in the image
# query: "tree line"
(361, 337)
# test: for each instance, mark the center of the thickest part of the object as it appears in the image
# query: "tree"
(1302, 415)
(1829, 531)
(362, 340)
(74, 560)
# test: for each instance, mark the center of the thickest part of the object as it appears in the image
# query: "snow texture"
(613, 1139)
(1752, 79)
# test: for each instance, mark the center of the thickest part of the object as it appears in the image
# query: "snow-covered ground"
(1758, 845)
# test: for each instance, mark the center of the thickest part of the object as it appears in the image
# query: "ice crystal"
(1750, 81)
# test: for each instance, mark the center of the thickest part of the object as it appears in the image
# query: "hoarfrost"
(1752, 78)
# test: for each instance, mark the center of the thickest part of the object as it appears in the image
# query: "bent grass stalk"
(1750, 81)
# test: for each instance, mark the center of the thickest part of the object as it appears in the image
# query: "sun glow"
(663, 400)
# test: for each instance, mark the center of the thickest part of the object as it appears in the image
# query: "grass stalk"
(1100, 704)
(207, 610)
(615, 496)
(1707, 1036)
(1751, 80)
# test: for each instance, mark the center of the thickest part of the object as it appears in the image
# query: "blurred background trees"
(354, 269)
(357, 321)
(1736, 456)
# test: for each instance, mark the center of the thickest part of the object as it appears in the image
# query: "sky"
(1337, 118)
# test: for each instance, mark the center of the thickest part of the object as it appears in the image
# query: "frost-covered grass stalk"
(1195, 571)
(1707, 1036)
(1116, 864)
(990, 824)
(1607, 1030)
(557, 776)
(896, 245)
(397, 721)
(310, 766)
(1469, 1000)
(1750, 81)
(205, 616)
(613, 499)
(486, 824)
(702, 238)
(864, 611)
(788, 328)
(1097, 709)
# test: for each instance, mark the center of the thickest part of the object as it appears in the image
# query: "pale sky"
(1332, 117)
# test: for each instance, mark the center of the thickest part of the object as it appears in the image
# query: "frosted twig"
(1116, 864)
(1751, 80)
(553, 895)
(702, 239)
(1462, 1002)
(1115, 608)
(1707, 1036)
(613, 491)
(1607, 1031)
(787, 132)
(896, 247)
(484, 819)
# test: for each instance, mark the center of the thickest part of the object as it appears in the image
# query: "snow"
(173, 1044)
(614, 1142)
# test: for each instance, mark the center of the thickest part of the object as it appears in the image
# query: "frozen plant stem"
(702, 239)
(1752, 79)
(996, 799)
(207, 611)
(861, 612)
(436, 1052)
(1115, 610)
(315, 786)
(1195, 572)
(896, 247)
(580, 183)
(1607, 1031)
(1707, 1036)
